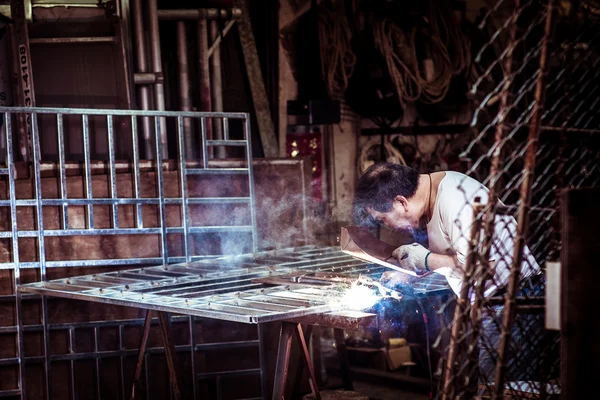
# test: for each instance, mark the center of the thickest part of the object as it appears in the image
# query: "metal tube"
(525, 200)
(200, 13)
(161, 194)
(142, 67)
(112, 171)
(247, 136)
(15, 249)
(216, 89)
(62, 171)
(147, 78)
(204, 75)
(90, 39)
(159, 88)
(185, 98)
(35, 146)
(88, 172)
(136, 173)
(184, 194)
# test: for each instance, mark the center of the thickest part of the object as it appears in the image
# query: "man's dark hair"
(378, 187)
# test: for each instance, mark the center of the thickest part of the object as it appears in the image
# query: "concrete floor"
(380, 391)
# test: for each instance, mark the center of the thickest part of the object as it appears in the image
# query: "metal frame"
(38, 202)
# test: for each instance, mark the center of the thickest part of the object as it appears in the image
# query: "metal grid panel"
(120, 223)
(225, 288)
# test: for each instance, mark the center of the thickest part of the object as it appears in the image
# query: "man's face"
(399, 218)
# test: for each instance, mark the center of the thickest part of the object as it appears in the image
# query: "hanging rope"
(337, 57)
(428, 79)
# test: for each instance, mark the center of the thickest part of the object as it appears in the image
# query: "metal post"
(524, 201)
(142, 67)
(204, 75)
(462, 305)
(496, 162)
(159, 88)
(185, 99)
(216, 89)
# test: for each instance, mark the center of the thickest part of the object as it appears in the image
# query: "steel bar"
(161, 192)
(139, 219)
(60, 133)
(252, 195)
(204, 79)
(141, 353)
(142, 67)
(216, 87)
(283, 360)
(165, 328)
(460, 312)
(159, 89)
(36, 156)
(128, 113)
(112, 172)
(184, 194)
(524, 201)
(71, 40)
(88, 176)
(200, 14)
(15, 250)
(185, 97)
(307, 362)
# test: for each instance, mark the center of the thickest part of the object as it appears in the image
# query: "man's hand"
(412, 257)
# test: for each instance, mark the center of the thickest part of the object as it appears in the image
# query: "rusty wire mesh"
(535, 87)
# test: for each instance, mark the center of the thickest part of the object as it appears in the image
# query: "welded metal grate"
(227, 288)
(156, 202)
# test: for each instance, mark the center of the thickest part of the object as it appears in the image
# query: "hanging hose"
(337, 57)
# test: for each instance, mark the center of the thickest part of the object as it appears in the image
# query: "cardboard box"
(399, 357)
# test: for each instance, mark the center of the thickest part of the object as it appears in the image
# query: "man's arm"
(435, 261)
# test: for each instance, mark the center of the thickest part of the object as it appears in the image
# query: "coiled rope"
(447, 55)
(337, 57)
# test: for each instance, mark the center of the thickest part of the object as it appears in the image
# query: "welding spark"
(358, 297)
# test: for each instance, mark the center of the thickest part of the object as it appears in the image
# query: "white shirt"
(449, 231)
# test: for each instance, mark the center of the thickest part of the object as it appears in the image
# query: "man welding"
(401, 199)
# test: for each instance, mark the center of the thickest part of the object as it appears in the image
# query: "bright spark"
(358, 297)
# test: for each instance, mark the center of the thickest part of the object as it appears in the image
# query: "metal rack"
(43, 215)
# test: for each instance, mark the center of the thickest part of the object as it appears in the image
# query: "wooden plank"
(260, 100)
(580, 349)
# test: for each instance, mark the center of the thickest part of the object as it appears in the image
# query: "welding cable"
(425, 322)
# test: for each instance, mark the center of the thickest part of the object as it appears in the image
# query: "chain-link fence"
(534, 85)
